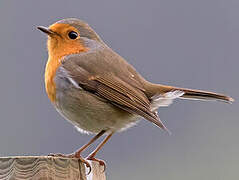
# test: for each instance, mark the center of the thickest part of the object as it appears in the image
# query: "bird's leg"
(92, 155)
(77, 154)
(79, 151)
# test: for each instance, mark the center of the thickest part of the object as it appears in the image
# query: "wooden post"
(47, 168)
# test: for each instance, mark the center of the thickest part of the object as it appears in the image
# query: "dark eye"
(72, 35)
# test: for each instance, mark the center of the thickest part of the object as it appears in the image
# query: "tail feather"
(161, 95)
(193, 94)
(205, 95)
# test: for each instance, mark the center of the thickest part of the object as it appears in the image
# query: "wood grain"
(47, 168)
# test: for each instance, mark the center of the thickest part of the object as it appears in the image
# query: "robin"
(97, 90)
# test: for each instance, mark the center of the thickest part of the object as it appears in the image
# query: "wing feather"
(119, 91)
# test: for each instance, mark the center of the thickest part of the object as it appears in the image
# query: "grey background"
(188, 43)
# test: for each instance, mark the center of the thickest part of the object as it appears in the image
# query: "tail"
(205, 95)
(161, 95)
(158, 89)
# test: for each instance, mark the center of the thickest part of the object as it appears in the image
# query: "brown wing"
(114, 89)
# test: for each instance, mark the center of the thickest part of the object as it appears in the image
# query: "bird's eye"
(72, 35)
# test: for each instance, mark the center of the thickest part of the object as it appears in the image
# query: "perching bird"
(97, 90)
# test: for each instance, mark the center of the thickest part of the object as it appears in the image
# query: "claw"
(101, 162)
(87, 164)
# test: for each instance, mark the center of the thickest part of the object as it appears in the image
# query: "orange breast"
(54, 61)
(50, 71)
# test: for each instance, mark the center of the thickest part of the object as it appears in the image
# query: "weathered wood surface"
(47, 168)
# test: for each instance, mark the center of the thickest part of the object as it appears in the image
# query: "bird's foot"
(73, 155)
(101, 162)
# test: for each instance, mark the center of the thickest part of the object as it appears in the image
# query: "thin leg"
(92, 155)
(77, 153)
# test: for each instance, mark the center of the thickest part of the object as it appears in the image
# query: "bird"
(97, 90)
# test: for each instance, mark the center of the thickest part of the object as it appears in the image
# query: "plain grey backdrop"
(187, 43)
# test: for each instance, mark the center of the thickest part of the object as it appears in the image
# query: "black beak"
(46, 30)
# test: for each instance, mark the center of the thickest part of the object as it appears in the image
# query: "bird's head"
(66, 36)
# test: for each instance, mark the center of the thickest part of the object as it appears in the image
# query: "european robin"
(97, 90)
